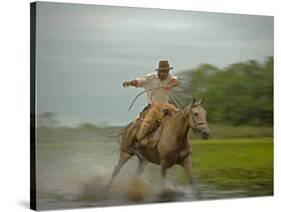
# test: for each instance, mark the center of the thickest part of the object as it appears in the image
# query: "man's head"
(163, 69)
(163, 74)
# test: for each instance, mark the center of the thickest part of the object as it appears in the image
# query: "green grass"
(239, 164)
(226, 131)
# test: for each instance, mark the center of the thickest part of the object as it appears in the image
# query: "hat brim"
(164, 69)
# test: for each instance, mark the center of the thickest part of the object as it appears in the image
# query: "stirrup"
(136, 145)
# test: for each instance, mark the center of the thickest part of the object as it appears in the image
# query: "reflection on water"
(74, 166)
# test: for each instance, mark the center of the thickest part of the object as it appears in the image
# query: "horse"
(174, 146)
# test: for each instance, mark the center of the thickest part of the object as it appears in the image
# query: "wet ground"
(74, 167)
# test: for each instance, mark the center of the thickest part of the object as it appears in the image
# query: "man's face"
(163, 74)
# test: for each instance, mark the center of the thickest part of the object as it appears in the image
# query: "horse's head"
(197, 118)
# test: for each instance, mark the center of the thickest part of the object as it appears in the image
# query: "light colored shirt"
(151, 83)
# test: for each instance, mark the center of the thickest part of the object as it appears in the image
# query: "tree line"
(239, 94)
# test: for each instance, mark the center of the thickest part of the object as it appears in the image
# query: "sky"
(85, 52)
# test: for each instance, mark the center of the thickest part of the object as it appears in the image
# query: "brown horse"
(174, 146)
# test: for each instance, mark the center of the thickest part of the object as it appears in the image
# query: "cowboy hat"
(163, 65)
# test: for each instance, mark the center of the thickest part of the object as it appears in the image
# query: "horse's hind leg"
(123, 158)
(187, 164)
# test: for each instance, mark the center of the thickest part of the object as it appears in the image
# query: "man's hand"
(126, 84)
(130, 83)
(167, 87)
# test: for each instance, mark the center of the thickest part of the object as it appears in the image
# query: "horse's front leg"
(123, 158)
(187, 164)
(141, 166)
(163, 175)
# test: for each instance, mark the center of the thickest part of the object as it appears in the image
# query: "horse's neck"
(180, 125)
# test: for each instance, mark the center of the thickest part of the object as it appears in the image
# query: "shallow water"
(74, 167)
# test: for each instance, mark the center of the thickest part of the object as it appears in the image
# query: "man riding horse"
(158, 86)
(173, 145)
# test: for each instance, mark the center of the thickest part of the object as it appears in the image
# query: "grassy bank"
(238, 164)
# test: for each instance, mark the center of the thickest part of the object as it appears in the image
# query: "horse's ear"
(193, 101)
(202, 100)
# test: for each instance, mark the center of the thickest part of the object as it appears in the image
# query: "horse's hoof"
(137, 189)
(168, 194)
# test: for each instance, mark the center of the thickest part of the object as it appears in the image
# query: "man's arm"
(173, 83)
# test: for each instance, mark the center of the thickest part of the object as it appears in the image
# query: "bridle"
(196, 123)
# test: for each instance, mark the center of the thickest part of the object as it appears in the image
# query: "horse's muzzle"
(205, 134)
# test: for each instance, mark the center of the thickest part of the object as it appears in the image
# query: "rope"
(174, 98)
(137, 96)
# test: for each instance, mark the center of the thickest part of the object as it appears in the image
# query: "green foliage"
(240, 94)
